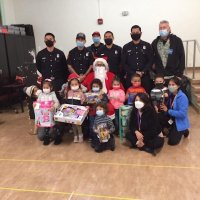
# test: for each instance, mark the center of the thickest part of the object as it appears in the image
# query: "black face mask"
(108, 41)
(159, 85)
(49, 43)
(135, 36)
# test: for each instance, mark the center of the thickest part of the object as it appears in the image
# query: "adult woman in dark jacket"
(144, 126)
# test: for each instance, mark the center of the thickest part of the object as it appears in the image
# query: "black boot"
(46, 137)
(58, 138)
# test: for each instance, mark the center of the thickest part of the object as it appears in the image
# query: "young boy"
(134, 89)
(159, 95)
(103, 128)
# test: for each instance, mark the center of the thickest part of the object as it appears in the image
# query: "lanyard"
(139, 120)
(172, 102)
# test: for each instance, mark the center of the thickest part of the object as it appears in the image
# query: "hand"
(163, 107)
(166, 95)
(140, 73)
(156, 108)
(82, 77)
(100, 97)
(51, 109)
(139, 135)
(140, 143)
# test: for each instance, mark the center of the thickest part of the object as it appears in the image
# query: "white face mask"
(74, 88)
(139, 104)
(38, 92)
(46, 91)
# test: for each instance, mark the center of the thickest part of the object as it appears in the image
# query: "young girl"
(104, 128)
(46, 134)
(117, 99)
(100, 96)
(75, 96)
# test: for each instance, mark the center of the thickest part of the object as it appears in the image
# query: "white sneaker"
(80, 138)
(75, 139)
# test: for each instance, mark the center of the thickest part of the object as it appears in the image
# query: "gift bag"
(124, 118)
(44, 117)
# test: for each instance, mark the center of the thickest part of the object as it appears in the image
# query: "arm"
(122, 97)
(181, 53)
(38, 62)
(183, 108)
(56, 102)
(149, 55)
(110, 125)
(70, 64)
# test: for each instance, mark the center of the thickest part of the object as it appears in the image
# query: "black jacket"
(149, 126)
(176, 57)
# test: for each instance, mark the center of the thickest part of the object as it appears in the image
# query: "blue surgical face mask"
(95, 89)
(164, 33)
(172, 89)
(100, 112)
(96, 40)
(80, 43)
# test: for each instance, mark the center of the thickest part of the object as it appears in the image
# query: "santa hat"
(29, 90)
(72, 76)
(101, 60)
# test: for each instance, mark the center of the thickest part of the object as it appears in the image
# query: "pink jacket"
(117, 97)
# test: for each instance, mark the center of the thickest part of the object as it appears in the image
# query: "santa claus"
(100, 71)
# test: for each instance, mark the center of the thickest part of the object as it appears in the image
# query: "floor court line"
(96, 196)
(103, 163)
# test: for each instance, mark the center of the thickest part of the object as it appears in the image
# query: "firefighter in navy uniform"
(52, 64)
(112, 53)
(80, 59)
(96, 37)
(137, 57)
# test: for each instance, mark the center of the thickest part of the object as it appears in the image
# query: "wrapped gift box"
(72, 114)
(44, 117)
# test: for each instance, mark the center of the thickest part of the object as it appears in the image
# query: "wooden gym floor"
(31, 171)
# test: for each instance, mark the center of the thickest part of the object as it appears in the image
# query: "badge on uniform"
(170, 51)
(116, 52)
(87, 54)
(58, 55)
(144, 47)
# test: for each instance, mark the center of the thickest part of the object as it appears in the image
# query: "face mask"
(49, 43)
(95, 89)
(74, 88)
(108, 41)
(96, 40)
(99, 112)
(80, 43)
(116, 87)
(159, 85)
(139, 104)
(38, 93)
(135, 36)
(46, 91)
(164, 33)
(172, 89)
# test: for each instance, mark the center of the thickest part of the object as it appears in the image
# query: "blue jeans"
(91, 124)
(117, 119)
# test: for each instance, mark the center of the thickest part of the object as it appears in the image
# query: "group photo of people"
(144, 76)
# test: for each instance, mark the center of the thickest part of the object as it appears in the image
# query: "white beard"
(100, 73)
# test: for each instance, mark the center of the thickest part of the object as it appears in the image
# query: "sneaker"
(186, 133)
(75, 139)
(46, 141)
(89, 140)
(80, 138)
